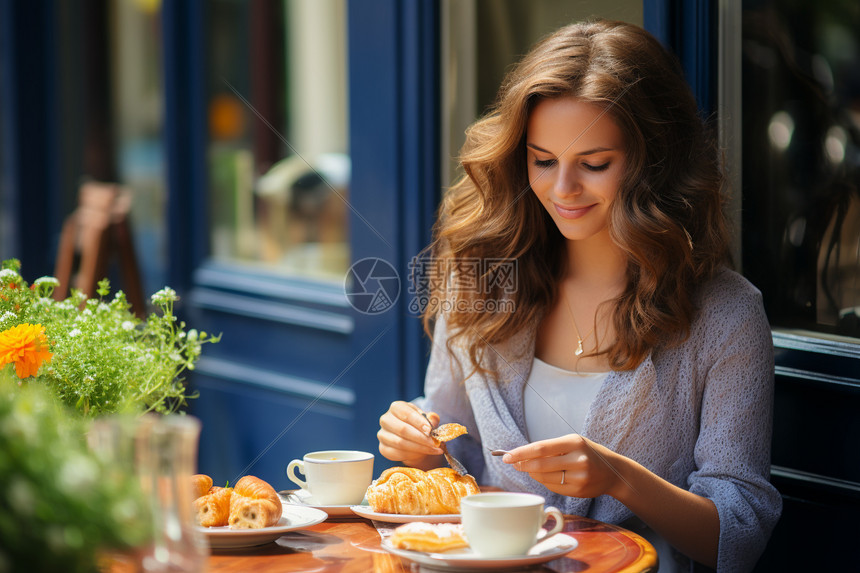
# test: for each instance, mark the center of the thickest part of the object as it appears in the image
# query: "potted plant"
(63, 364)
(95, 354)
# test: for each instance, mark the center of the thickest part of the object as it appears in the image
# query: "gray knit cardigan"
(699, 415)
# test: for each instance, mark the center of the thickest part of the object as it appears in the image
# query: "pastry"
(416, 492)
(430, 537)
(200, 485)
(447, 432)
(254, 504)
(213, 509)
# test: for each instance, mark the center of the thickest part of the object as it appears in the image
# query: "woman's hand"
(570, 465)
(404, 436)
(688, 521)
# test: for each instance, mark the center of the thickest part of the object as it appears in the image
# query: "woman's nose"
(567, 182)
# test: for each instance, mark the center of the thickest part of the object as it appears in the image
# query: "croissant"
(430, 537)
(254, 504)
(416, 492)
(200, 485)
(213, 509)
(447, 432)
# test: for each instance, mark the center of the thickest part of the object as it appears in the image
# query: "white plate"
(365, 511)
(293, 517)
(303, 498)
(461, 559)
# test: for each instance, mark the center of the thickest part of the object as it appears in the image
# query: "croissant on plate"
(254, 504)
(430, 537)
(213, 509)
(200, 485)
(416, 492)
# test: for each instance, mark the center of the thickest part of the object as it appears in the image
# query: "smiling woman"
(595, 172)
(576, 163)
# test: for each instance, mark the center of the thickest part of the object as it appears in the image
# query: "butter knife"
(452, 461)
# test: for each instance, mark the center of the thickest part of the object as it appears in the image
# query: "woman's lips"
(571, 213)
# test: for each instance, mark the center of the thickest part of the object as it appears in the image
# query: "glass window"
(137, 93)
(279, 167)
(801, 161)
(110, 97)
(482, 38)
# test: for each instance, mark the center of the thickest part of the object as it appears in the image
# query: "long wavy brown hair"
(667, 216)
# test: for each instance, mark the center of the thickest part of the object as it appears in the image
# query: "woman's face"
(575, 153)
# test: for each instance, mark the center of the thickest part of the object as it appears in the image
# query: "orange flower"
(26, 346)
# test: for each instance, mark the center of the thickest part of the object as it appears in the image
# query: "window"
(801, 162)
(279, 167)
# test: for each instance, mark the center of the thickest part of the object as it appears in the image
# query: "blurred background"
(263, 147)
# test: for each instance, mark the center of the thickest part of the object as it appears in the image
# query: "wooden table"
(353, 545)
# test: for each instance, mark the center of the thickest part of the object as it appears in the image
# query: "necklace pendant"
(578, 350)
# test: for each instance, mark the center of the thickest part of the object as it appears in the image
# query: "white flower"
(8, 315)
(164, 296)
(47, 281)
(74, 332)
(8, 275)
(128, 325)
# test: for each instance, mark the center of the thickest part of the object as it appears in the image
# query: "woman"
(633, 381)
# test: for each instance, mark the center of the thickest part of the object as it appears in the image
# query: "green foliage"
(105, 359)
(60, 504)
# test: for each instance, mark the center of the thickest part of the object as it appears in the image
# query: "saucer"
(303, 497)
(550, 548)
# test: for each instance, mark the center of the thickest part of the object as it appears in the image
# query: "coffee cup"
(502, 524)
(334, 477)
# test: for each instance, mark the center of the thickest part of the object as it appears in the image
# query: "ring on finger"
(562, 476)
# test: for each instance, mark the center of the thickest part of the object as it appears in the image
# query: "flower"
(26, 346)
(103, 358)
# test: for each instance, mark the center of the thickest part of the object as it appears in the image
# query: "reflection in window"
(801, 161)
(138, 104)
(278, 164)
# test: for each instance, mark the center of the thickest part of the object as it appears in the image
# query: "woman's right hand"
(404, 436)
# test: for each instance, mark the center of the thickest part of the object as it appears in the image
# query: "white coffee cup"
(506, 523)
(334, 477)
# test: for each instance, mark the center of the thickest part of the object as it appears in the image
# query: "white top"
(699, 414)
(556, 401)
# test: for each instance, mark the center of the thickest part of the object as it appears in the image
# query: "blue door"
(305, 176)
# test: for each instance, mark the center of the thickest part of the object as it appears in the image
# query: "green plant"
(102, 358)
(60, 504)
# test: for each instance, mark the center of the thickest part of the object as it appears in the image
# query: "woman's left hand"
(570, 465)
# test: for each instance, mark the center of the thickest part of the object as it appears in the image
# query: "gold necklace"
(579, 339)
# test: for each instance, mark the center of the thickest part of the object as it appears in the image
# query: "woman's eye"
(601, 167)
(544, 162)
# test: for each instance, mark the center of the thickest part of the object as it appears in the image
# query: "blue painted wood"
(376, 150)
(394, 145)
(31, 216)
(308, 370)
(286, 314)
(253, 430)
(185, 134)
(689, 29)
(656, 18)
(421, 167)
